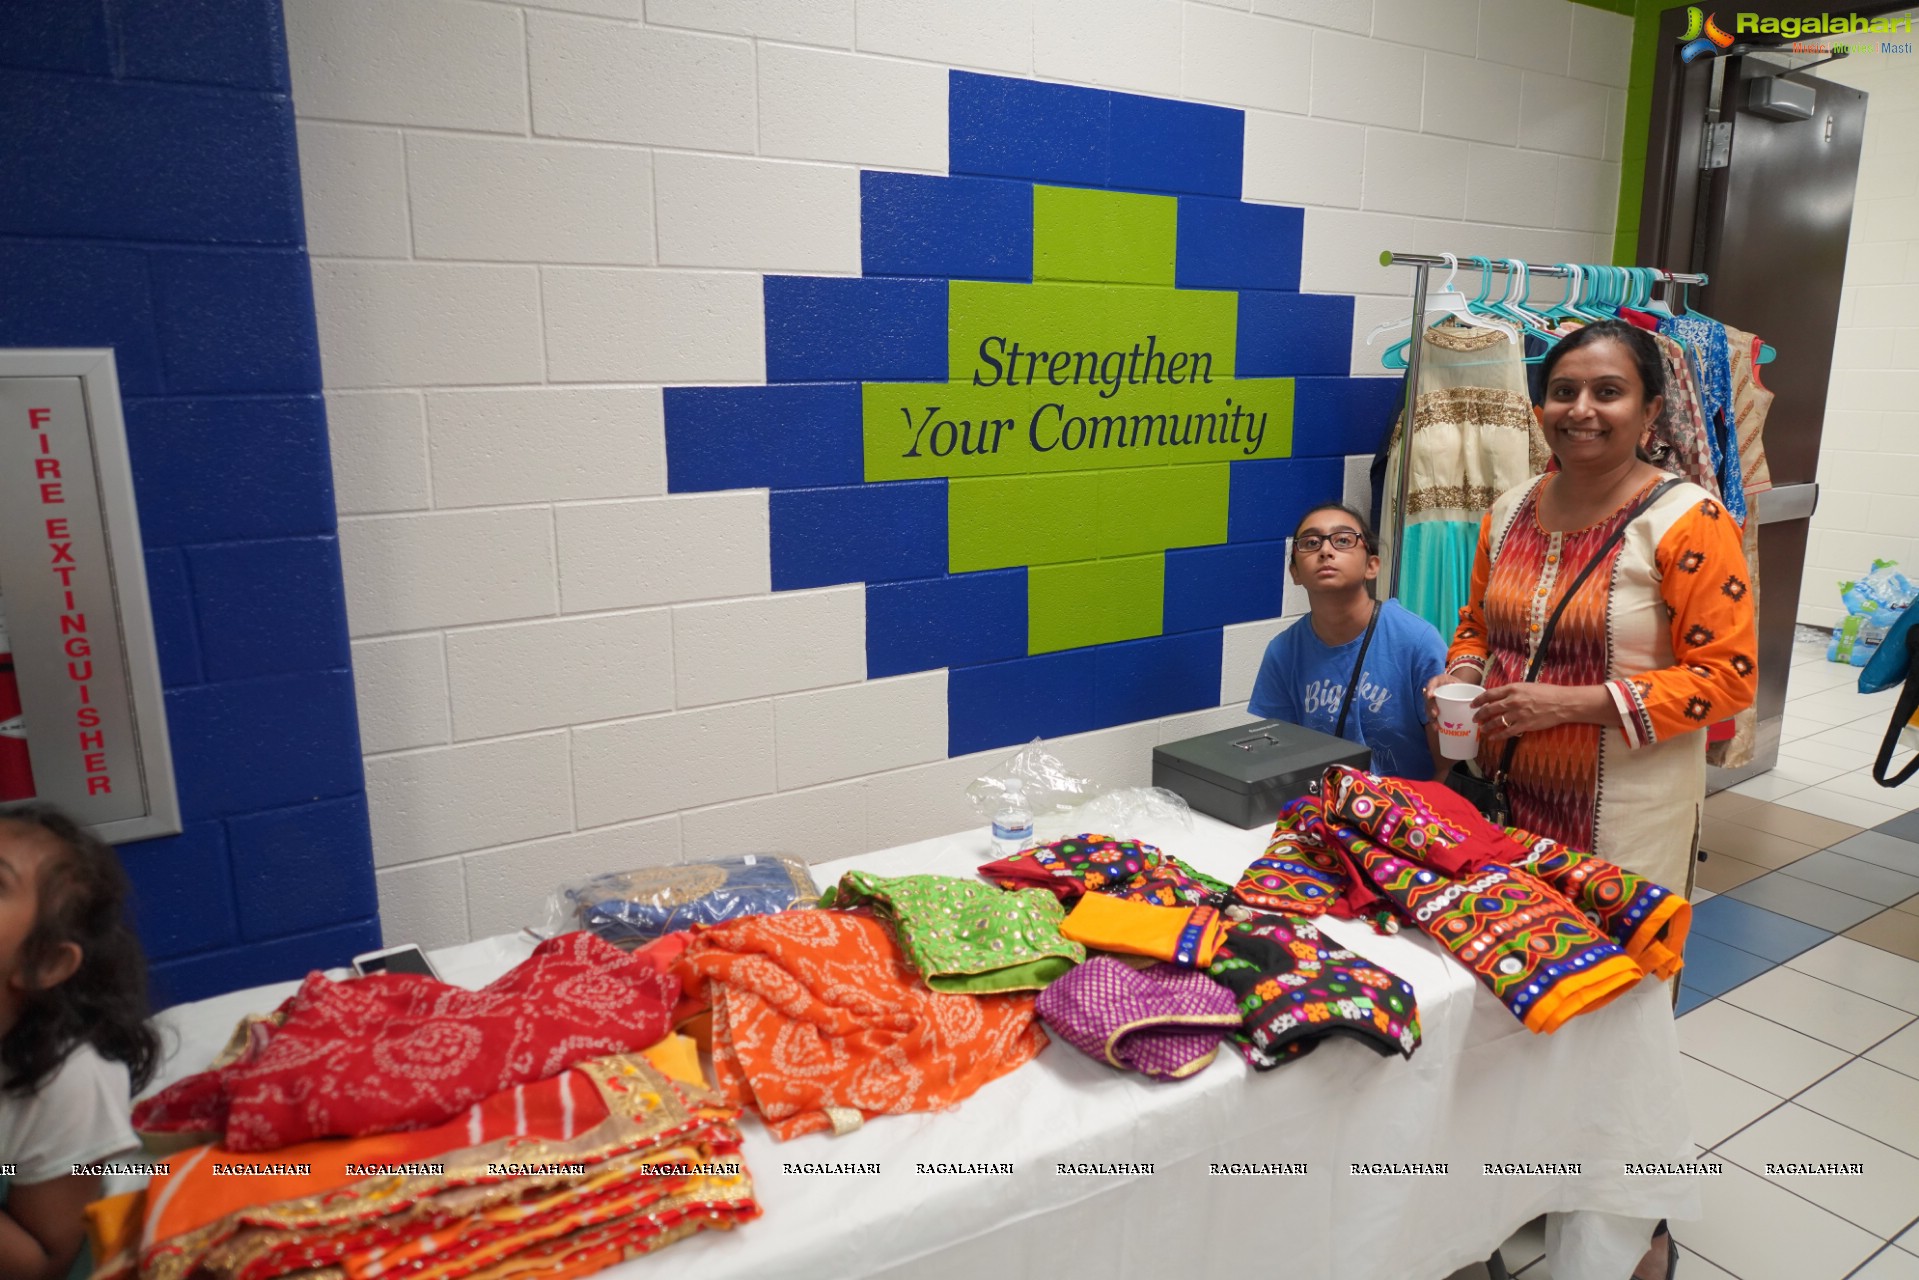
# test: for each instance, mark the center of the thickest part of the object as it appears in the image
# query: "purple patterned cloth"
(1165, 1021)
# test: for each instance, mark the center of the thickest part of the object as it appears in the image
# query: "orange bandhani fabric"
(531, 1180)
(819, 1022)
(1186, 936)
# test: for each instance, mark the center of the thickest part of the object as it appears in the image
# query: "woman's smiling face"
(1596, 412)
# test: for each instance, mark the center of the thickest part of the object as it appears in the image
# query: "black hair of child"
(83, 893)
(1360, 522)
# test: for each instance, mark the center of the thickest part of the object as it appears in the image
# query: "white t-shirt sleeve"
(78, 1116)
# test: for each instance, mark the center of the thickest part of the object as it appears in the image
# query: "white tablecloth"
(1601, 1092)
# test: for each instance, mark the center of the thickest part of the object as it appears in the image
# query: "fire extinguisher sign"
(74, 585)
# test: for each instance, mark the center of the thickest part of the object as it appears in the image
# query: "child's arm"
(43, 1227)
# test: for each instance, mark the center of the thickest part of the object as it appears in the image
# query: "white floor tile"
(1721, 1104)
(1901, 1053)
(1891, 1264)
(1859, 784)
(1807, 772)
(1775, 1058)
(1817, 678)
(1821, 709)
(1700, 895)
(1840, 755)
(1767, 786)
(1872, 1099)
(1849, 963)
(1845, 808)
(1842, 705)
(1882, 1198)
(1909, 1241)
(1757, 1231)
(1862, 739)
(1814, 1007)
(1794, 728)
(1694, 1267)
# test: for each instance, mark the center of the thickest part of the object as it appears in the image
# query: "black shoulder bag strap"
(1546, 632)
(1346, 703)
(1901, 717)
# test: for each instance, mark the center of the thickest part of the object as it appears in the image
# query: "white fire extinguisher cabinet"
(73, 587)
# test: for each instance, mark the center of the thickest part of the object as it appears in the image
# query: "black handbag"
(1488, 795)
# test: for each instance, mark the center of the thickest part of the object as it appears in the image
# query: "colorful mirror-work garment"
(1295, 987)
(1549, 930)
(1094, 863)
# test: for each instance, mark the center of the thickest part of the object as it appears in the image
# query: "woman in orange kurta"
(1658, 643)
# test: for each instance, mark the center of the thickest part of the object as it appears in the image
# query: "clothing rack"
(1422, 263)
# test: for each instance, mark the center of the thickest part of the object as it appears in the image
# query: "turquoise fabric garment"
(1437, 572)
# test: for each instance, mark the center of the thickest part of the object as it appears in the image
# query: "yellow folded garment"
(1188, 936)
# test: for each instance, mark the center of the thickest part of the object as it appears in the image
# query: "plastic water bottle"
(1012, 822)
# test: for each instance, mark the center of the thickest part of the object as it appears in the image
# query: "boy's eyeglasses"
(1308, 543)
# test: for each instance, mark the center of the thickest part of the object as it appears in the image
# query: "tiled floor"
(1799, 1007)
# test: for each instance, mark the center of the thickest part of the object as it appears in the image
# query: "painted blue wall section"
(858, 533)
(1291, 335)
(1000, 703)
(799, 436)
(825, 329)
(153, 206)
(774, 437)
(1224, 244)
(912, 224)
(956, 620)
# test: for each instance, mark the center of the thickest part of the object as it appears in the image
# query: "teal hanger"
(1652, 306)
(1577, 305)
(1446, 301)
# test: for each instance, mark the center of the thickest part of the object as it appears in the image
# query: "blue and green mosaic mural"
(1061, 424)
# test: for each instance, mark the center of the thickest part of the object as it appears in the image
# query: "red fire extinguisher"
(16, 769)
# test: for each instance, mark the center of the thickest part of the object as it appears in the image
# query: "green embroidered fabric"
(964, 936)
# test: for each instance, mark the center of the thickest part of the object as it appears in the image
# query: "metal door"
(1771, 214)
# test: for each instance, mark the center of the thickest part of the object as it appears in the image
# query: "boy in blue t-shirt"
(1307, 667)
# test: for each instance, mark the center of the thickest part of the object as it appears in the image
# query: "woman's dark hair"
(1639, 345)
(1360, 522)
(82, 892)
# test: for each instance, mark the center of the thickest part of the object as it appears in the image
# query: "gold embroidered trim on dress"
(1454, 336)
(1475, 406)
(1463, 497)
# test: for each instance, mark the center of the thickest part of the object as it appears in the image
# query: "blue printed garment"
(1302, 679)
(1706, 338)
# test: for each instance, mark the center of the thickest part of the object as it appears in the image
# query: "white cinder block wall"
(1869, 448)
(526, 218)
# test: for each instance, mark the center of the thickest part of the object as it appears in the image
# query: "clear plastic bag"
(1048, 787)
(632, 908)
(1153, 814)
(1883, 588)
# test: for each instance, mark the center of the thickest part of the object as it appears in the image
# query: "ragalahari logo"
(1702, 35)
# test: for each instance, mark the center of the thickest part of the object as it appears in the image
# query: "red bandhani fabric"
(392, 1052)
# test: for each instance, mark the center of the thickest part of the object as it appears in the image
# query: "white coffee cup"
(1458, 734)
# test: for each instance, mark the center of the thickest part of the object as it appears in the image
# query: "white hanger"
(1448, 301)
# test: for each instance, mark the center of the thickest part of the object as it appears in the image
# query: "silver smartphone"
(402, 959)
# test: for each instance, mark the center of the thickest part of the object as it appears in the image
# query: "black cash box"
(1244, 775)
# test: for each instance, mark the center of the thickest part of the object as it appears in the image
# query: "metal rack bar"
(1422, 263)
(1388, 258)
